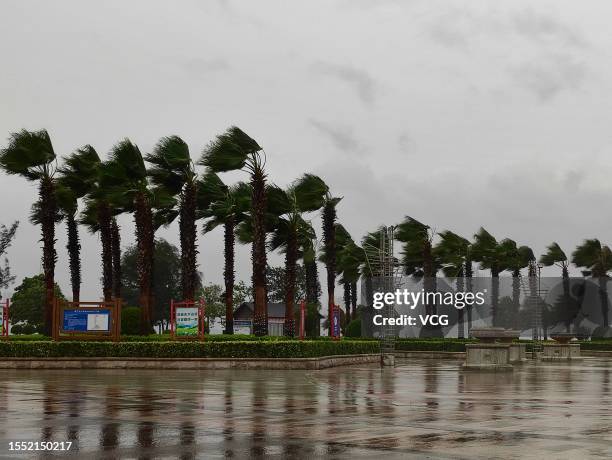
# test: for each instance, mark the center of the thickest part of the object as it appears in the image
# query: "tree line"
(164, 185)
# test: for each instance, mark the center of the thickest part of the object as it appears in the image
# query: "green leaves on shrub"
(178, 350)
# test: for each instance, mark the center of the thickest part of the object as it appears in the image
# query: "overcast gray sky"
(459, 113)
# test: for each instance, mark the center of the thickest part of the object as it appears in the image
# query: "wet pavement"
(420, 409)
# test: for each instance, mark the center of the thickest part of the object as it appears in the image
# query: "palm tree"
(124, 177)
(329, 215)
(292, 232)
(77, 178)
(517, 258)
(68, 207)
(492, 256)
(116, 258)
(228, 207)
(30, 154)
(455, 254)
(555, 256)
(350, 260)
(234, 150)
(174, 171)
(313, 287)
(597, 260)
(98, 213)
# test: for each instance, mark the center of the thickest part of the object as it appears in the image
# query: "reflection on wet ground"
(419, 409)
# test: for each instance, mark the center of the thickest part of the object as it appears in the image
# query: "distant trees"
(28, 304)
(6, 237)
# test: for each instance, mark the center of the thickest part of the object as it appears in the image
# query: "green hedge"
(431, 344)
(208, 349)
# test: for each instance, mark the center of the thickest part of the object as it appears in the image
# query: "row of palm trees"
(157, 188)
(165, 184)
(425, 253)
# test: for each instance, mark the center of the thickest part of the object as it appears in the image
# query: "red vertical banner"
(5, 319)
(335, 325)
(302, 319)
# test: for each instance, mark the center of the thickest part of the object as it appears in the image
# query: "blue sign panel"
(86, 321)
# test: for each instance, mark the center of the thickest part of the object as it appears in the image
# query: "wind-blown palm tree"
(234, 150)
(492, 256)
(350, 260)
(555, 256)
(228, 207)
(174, 171)
(418, 257)
(30, 154)
(292, 232)
(125, 179)
(517, 258)
(77, 178)
(596, 258)
(329, 215)
(455, 255)
(98, 213)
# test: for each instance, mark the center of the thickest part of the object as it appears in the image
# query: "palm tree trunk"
(516, 297)
(494, 295)
(116, 258)
(74, 254)
(104, 220)
(188, 237)
(48, 211)
(468, 285)
(228, 274)
(461, 311)
(144, 261)
(329, 238)
(290, 264)
(260, 314)
(568, 313)
(347, 301)
(312, 282)
(354, 300)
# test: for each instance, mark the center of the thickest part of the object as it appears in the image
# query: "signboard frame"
(5, 307)
(201, 306)
(113, 333)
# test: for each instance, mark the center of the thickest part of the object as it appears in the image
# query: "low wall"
(188, 363)
(431, 354)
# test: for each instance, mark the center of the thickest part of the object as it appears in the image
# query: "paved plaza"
(420, 409)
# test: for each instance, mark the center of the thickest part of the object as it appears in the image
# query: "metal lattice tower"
(382, 265)
(534, 296)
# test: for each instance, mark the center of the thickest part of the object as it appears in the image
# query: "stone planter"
(489, 334)
(487, 356)
(560, 351)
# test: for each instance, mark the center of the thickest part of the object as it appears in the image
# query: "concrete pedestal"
(560, 351)
(518, 353)
(488, 356)
(388, 360)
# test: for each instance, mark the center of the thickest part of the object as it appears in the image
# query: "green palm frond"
(554, 255)
(171, 164)
(80, 171)
(28, 154)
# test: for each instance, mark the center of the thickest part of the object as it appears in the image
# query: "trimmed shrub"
(210, 349)
(431, 345)
(354, 328)
(130, 320)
